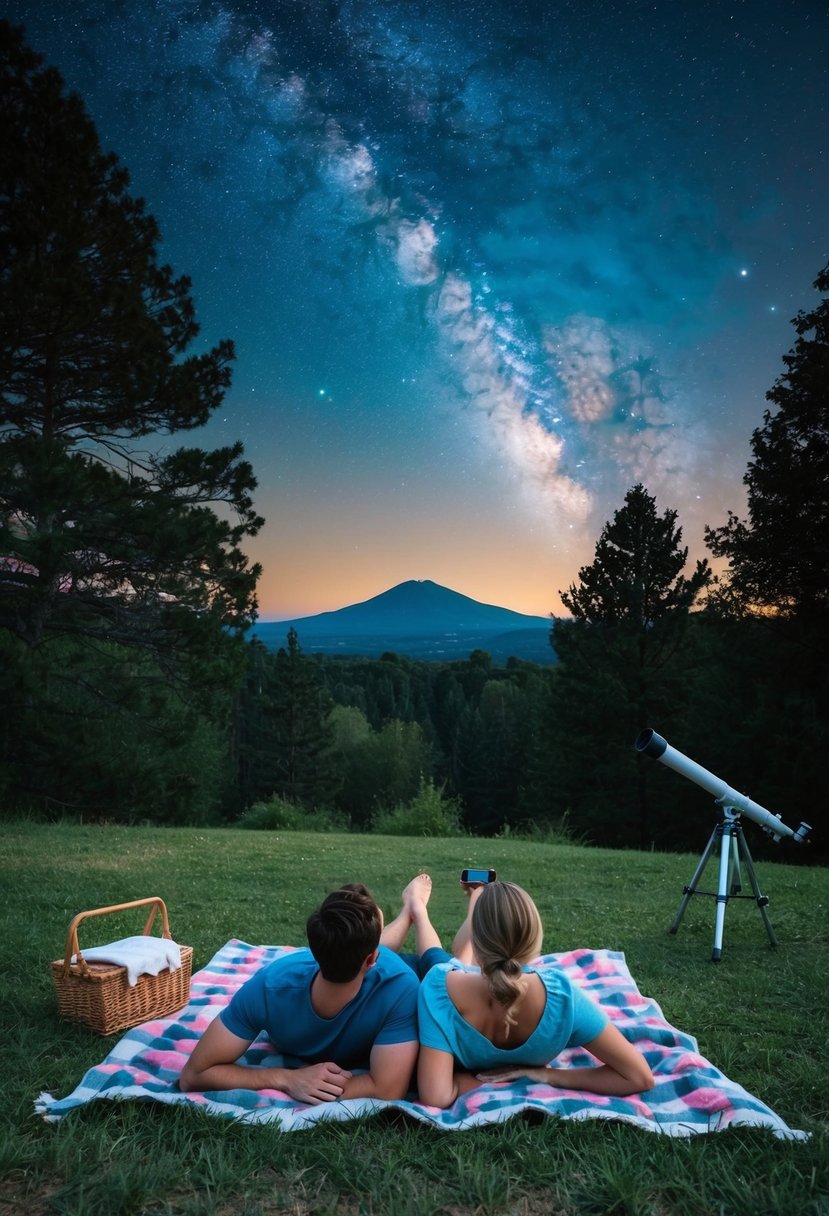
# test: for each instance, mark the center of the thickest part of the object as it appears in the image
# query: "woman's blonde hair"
(506, 932)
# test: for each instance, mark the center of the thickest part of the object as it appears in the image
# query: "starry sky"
(486, 265)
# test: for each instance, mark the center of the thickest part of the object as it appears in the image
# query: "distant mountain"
(414, 607)
(419, 619)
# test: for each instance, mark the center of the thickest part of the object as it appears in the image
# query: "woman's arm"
(438, 1082)
(624, 1070)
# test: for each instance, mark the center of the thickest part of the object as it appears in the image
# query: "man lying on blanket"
(346, 1002)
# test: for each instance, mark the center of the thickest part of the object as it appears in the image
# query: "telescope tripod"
(733, 850)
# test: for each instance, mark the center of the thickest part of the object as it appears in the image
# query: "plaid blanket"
(690, 1095)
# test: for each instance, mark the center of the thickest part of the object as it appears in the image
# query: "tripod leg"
(692, 885)
(735, 884)
(762, 900)
(722, 890)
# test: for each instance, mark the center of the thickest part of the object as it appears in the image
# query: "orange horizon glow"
(320, 565)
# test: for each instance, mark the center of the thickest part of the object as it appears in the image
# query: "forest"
(130, 692)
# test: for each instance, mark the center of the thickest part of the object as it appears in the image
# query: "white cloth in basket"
(140, 955)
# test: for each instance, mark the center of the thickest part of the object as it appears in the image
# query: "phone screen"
(478, 876)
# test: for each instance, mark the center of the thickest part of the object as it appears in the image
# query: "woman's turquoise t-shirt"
(570, 1019)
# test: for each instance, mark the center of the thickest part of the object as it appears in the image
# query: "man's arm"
(389, 1073)
(212, 1066)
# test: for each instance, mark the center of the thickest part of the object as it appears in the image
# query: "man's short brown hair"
(344, 931)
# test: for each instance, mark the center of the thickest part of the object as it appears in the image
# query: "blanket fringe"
(43, 1104)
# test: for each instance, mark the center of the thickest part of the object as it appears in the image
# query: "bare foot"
(417, 891)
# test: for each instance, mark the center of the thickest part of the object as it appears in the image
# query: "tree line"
(129, 690)
(529, 748)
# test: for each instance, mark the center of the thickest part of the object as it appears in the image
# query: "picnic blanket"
(690, 1095)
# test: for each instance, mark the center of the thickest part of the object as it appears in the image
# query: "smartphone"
(478, 876)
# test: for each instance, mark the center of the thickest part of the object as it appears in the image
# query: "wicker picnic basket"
(99, 994)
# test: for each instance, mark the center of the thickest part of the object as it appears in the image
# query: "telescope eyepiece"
(649, 743)
(802, 832)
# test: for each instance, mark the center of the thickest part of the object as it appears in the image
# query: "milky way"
(486, 266)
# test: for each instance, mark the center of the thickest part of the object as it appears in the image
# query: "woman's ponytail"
(507, 983)
(506, 933)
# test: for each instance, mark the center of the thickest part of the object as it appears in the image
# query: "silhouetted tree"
(624, 662)
(779, 557)
(778, 572)
(636, 576)
(103, 545)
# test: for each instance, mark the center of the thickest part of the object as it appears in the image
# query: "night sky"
(486, 264)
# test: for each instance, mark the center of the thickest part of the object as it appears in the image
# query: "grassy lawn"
(760, 1015)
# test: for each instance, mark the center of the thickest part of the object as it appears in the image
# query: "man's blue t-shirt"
(277, 999)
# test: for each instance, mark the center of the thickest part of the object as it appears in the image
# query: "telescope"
(649, 743)
(733, 845)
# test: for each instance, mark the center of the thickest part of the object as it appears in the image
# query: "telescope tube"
(649, 743)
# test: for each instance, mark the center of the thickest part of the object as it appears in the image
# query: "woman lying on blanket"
(505, 1020)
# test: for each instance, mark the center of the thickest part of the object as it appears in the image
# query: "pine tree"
(104, 544)
(779, 557)
(635, 577)
(299, 733)
(778, 565)
(96, 536)
(624, 662)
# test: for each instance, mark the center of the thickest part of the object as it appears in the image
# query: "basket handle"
(72, 933)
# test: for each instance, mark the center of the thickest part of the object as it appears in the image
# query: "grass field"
(760, 1015)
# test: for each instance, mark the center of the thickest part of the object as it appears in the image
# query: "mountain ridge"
(421, 619)
(415, 603)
